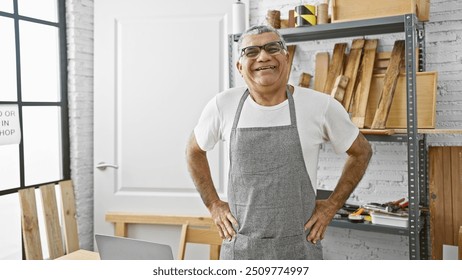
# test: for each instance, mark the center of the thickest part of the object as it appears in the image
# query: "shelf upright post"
(412, 137)
(422, 48)
(423, 163)
(423, 175)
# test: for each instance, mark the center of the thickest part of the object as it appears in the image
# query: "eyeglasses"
(271, 48)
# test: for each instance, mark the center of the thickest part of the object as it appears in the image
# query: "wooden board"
(52, 224)
(382, 59)
(351, 70)
(321, 69)
(348, 10)
(304, 80)
(431, 131)
(340, 84)
(423, 10)
(445, 183)
(71, 237)
(377, 131)
(81, 255)
(29, 223)
(335, 66)
(361, 95)
(291, 20)
(456, 191)
(460, 243)
(426, 83)
(389, 85)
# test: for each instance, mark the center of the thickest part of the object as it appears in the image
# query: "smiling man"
(273, 132)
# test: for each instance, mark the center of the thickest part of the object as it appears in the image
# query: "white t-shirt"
(320, 118)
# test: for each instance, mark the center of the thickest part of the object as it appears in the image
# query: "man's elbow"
(361, 149)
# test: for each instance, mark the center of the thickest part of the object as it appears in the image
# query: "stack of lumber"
(371, 85)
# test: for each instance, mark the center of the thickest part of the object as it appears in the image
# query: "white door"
(157, 63)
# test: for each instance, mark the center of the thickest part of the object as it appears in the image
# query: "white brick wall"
(79, 16)
(386, 178)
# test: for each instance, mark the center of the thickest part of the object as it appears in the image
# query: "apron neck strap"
(293, 119)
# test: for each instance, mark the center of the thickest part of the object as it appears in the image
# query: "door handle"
(103, 166)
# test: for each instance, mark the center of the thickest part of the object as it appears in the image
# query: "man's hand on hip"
(223, 219)
(322, 216)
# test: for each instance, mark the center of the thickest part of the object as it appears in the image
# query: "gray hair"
(259, 29)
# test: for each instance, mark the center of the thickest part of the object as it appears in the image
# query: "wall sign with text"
(10, 131)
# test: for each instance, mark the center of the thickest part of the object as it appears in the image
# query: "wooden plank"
(338, 91)
(351, 70)
(209, 236)
(121, 229)
(291, 20)
(321, 70)
(71, 234)
(149, 218)
(389, 85)
(382, 60)
(304, 80)
(52, 224)
(426, 83)
(448, 237)
(214, 252)
(182, 246)
(433, 131)
(435, 175)
(460, 243)
(81, 255)
(423, 10)
(445, 196)
(377, 131)
(347, 10)
(358, 108)
(29, 224)
(335, 67)
(456, 184)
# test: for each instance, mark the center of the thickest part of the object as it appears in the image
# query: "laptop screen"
(123, 248)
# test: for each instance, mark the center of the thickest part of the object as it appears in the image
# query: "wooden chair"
(200, 235)
(30, 225)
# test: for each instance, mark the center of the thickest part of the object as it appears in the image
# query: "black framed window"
(34, 127)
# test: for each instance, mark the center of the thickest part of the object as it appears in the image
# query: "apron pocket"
(282, 248)
(227, 250)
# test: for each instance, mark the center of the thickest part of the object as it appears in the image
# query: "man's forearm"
(353, 171)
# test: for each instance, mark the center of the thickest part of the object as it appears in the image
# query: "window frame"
(62, 104)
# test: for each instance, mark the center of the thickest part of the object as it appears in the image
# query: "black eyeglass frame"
(263, 47)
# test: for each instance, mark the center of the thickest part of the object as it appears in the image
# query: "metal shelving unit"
(414, 36)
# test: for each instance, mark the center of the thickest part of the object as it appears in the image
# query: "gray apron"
(269, 192)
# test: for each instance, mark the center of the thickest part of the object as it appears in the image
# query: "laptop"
(123, 248)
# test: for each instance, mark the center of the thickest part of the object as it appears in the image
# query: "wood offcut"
(335, 67)
(351, 70)
(358, 108)
(445, 184)
(389, 85)
(321, 69)
(304, 80)
(340, 84)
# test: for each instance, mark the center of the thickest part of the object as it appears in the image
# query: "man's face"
(265, 69)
